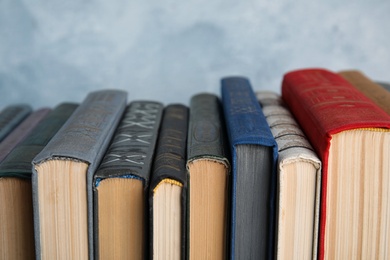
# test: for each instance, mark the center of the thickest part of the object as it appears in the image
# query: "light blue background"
(54, 51)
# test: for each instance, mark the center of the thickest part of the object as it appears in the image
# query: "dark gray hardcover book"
(168, 187)
(21, 131)
(11, 116)
(120, 221)
(15, 182)
(63, 175)
(208, 179)
(206, 131)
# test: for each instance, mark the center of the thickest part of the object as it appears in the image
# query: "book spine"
(85, 136)
(132, 147)
(171, 149)
(18, 162)
(374, 91)
(206, 132)
(11, 116)
(324, 104)
(170, 160)
(21, 131)
(245, 120)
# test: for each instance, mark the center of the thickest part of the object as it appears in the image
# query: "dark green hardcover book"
(168, 187)
(208, 179)
(11, 116)
(121, 183)
(16, 215)
(63, 175)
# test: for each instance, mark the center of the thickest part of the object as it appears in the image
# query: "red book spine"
(325, 104)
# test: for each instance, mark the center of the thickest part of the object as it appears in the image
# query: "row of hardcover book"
(247, 175)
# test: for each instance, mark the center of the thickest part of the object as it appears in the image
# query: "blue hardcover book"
(254, 155)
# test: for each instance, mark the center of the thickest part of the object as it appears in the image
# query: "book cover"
(63, 172)
(341, 122)
(298, 183)
(11, 116)
(120, 226)
(16, 215)
(168, 187)
(21, 131)
(372, 90)
(254, 154)
(208, 177)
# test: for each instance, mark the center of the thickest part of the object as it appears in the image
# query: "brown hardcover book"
(208, 177)
(372, 90)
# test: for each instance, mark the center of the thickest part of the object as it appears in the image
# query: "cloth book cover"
(374, 91)
(206, 133)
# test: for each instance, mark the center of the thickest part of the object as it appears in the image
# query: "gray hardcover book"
(121, 183)
(21, 131)
(208, 176)
(11, 116)
(298, 183)
(63, 174)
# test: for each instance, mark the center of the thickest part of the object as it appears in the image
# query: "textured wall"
(53, 51)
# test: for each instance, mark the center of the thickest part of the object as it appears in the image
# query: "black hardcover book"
(121, 182)
(168, 187)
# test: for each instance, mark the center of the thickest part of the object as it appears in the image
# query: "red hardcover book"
(351, 135)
